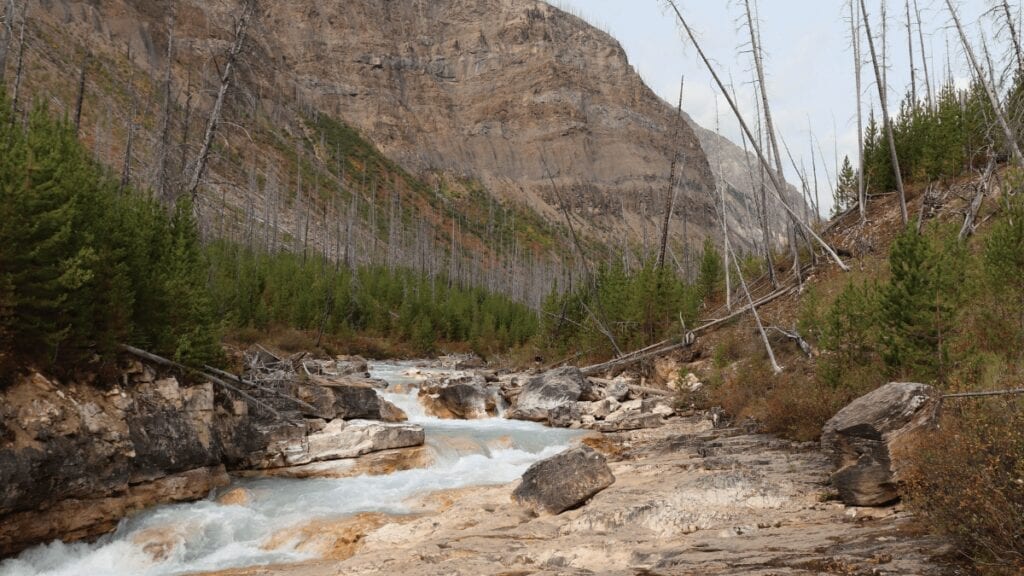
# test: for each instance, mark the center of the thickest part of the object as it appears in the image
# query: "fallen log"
(159, 360)
(667, 346)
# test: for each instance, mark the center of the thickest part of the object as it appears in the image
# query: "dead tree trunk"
(924, 58)
(6, 32)
(126, 169)
(165, 120)
(241, 28)
(20, 66)
(910, 54)
(862, 196)
(671, 194)
(81, 93)
(775, 178)
(1014, 38)
(1011, 138)
(880, 82)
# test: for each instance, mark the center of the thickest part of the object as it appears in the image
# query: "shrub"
(968, 482)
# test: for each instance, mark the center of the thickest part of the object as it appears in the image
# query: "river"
(208, 536)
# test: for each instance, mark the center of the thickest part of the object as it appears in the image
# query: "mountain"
(448, 135)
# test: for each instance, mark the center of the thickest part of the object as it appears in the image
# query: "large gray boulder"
(551, 390)
(466, 398)
(356, 402)
(869, 440)
(564, 481)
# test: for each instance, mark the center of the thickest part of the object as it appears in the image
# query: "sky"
(808, 62)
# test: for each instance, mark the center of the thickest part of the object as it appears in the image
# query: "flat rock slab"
(351, 439)
(564, 481)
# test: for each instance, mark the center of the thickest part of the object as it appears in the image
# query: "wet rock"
(351, 366)
(341, 439)
(466, 398)
(869, 440)
(79, 519)
(357, 402)
(564, 481)
(551, 390)
(235, 497)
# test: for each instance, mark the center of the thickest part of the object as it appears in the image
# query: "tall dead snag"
(241, 28)
(924, 57)
(910, 55)
(775, 178)
(990, 90)
(21, 64)
(6, 33)
(165, 121)
(80, 100)
(126, 169)
(670, 196)
(1012, 29)
(769, 125)
(880, 82)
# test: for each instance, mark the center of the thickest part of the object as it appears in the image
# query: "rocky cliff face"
(512, 98)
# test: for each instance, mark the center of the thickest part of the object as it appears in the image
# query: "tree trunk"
(924, 58)
(775, 178)
(20, 66)
(862, 197)
(6, 33)
(910, 54)
(1014, 38)
(671, 194)
(126, 169)
(81, 93)
(165, 120)
(880, 81)
(225, 83)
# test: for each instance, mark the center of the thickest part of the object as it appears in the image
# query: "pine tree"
(712, 272)
(845, 194)
(919, 305)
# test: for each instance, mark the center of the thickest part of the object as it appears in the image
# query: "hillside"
(441, 128)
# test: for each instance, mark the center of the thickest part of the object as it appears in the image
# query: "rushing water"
(206, 536)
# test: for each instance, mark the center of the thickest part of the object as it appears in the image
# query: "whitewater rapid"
(208, 536)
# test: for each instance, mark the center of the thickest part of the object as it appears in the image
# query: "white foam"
(206, 536)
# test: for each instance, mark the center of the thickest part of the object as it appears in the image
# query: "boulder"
(564, 481)
(321, 398)
(356, 402)
(869, 440)
(550, 390)
(351, 366)
(341, 439)
(567, 415)
(467, 398)
(617, 389)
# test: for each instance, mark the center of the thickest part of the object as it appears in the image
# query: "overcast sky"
(809, 62)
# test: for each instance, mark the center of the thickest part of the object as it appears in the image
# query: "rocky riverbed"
(651, 492)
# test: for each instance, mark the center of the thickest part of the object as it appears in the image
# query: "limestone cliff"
(440, 127)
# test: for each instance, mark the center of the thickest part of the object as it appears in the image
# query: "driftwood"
(161, 361)
(265, 389)
(795, 336)
(1013, 392)
(979, 198)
